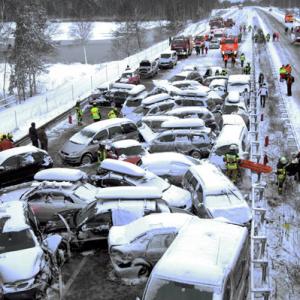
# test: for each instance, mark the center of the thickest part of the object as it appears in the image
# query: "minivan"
(82, 147)
(168, 59)
(214, 195)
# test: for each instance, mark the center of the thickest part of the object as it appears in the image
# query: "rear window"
(145, 64)
(228, 42)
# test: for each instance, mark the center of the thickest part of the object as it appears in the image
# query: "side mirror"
(52, 243)
(94, 142)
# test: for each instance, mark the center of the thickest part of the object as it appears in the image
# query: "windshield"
(223, 201)
(145, 64)
(141, 110)
(223, 149)
(133, 103)
(193, 160)
(16, 240)
(86, 192)
(159, 289)
(82, 137)
(165, 55)
(86, 213)
(154, 181)
(228, 42)
(130, 151)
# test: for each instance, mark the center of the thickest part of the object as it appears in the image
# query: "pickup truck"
(148, 69)
(229, 46)
(183, 45)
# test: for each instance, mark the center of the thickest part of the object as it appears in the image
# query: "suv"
(21, 163)
(26, 261)
(46, 199)
(214, 195)
(115, 206)
(168, 59)
(148, 69)
(135, 248)
(120, 173)
(82, 147)
(194, 142)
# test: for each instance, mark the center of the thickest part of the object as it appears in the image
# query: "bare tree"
(82, 32)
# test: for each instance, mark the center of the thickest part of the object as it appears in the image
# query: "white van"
(207, 260)
(168, 59)
(214, 195)
(236, 134)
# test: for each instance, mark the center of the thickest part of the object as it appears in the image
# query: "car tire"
(87, 159)
(196, 154)
(145, 270)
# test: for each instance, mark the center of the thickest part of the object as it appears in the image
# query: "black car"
(21, 163)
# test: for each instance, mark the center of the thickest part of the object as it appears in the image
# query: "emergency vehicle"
(289, 17)
(229, 45)
(183, 45)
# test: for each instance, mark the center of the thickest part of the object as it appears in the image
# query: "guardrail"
(260, 279)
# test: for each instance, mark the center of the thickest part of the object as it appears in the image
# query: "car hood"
(20, 265)
(117, 236)
(71, 147)
(178, 197)
(237, 214)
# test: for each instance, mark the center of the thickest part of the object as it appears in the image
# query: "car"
(209, 79)
(135, 248)
(235, 104)
(61, 174)
(26, 258)
(194, 112)
(215, 196)
(98, 95)
(134, 99)
(211, 71)
(130, 76)
(154, 122)
(187, 84)
(168, 165)
(115, 206)
(238, 82)
(148, 69)
(120, 173)
(219, 86)
(191, 68)
(187, 75)
(168, 59)
(118, 93)
(19, 164)
(236, 134)
(126, 150)
(214, 43)
(82, 147)
(194, 142)
(46, 199)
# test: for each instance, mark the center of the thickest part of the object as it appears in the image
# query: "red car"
(126, 150)
(130, 76)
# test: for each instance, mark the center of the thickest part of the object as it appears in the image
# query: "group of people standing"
(38, 137)
(204, 46)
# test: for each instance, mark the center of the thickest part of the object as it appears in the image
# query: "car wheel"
(145, 270)
(196, 154)
(87, 159)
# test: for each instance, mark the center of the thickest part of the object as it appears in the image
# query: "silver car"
(135, 248)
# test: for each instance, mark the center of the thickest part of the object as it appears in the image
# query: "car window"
(197, 138)
(193, 182)
(183, 138)
(160, 241)
(166, 106)
(38, 157)
(167, 138)
(115, 131)
(200, 193)
(107, 182)
(102, 135)
(12, 163)
(103, 220)
(26, 159)
(153, 110)
(128, 128)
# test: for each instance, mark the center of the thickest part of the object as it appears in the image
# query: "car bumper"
(166, 65)
(126, 270)
(72, 160)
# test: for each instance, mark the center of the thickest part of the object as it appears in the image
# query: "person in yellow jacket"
(113, 113)
(232, 163)
(95, 113)
(282, 73)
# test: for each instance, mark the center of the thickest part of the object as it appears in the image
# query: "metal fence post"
(16, 121)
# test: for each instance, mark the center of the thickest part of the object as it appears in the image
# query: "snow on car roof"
(189, 82)
(230, 134)
(155, 98)
(14, 211)
(153, 221)
(233, 119)
(187, 109)
(217, 82)
(60, 174)
(239, 78)
(17, 151)
(137, 89)
(184, 73)
(168, 52)
(125, 144)
(122, 167)
(190, 68)
(213, 95)
(122, 86)
(159, 118)
(163, 158)
(97, 126)
(181, 123)
(129, 192)
(217, 246)
(199, 91)
(233, 97)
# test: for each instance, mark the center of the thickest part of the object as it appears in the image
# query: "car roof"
(187, 109)
(218, 82)
(122, 167)
(155, 98)
(97, 126)
(233, 97)
(159, 118)
(60, 174)
(233, 119)
(125, 144)
(190, 123)
(239, 78)
(168, 52)
(122, 86)
(5, 154)
(230, 134)
(185, 73)
(14, 214)
(163, 158)
(182, 131)
(129, 192)
(199, 91)
(191, 82)
(217, 246)
(137, 89)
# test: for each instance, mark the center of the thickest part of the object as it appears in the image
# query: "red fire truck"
(229, 45)
(183, 45)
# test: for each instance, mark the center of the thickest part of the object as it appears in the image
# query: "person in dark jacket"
(43, 138)
(33, 135)
(261, 78)
(289, 82)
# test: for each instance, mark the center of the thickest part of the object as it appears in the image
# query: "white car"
(169, 165)
(25, 270)
(238, 82)
(219, 86)
(119, 173)
(135, 248)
